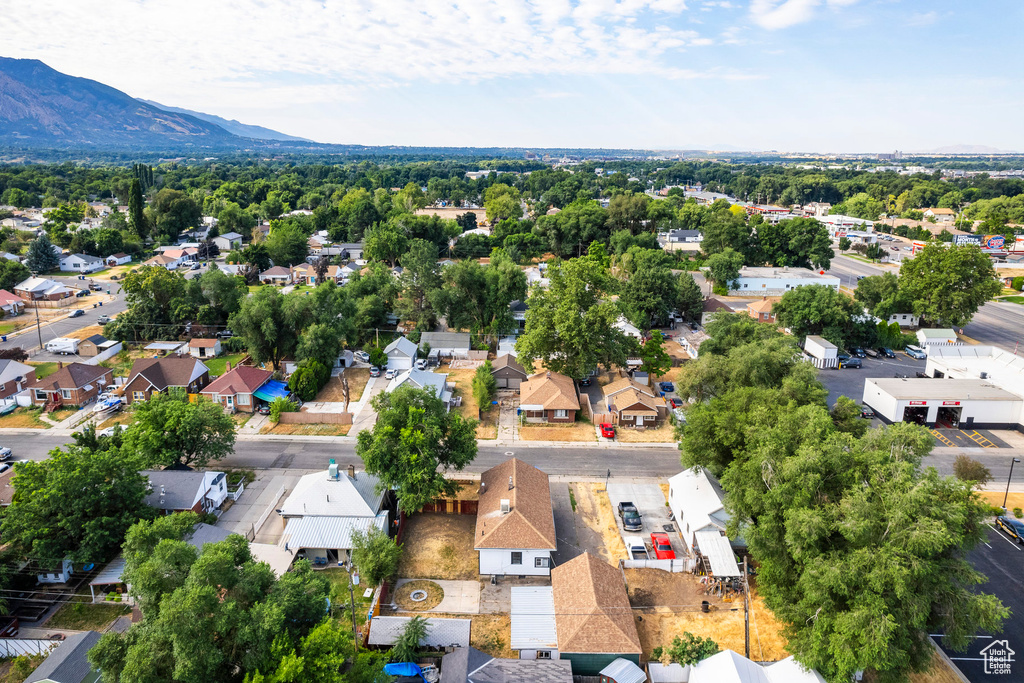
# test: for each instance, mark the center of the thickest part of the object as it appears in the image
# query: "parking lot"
(999, 558)
(850, 381)
(650, 502)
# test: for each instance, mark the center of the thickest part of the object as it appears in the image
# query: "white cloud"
(923, 19)
(188, 50)
(777, 14)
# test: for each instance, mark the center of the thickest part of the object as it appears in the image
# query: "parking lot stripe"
(979, 439)
(941, 438)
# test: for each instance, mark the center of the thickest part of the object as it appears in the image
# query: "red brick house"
(637, 409)
(761, 311)
(157, 375)
(549, 397)
(75, 384)
(14, 377)
(235, 388)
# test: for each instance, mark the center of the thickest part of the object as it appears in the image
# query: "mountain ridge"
(233, 126)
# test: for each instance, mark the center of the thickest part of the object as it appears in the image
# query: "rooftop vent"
(505, 506)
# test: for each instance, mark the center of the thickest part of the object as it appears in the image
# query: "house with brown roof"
(634, 408)
(204, 348)
(622, 384)
(94, 345)
(157, 375)
(508, 374)
(549, 397)
(761, 311)
(515, 524)
(940, 215)
(235, 388)
(75, 384)
(276, 275)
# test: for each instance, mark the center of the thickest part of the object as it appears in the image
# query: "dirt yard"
(85, 332)
(578, 431)
(439, 546)
(595, 510)
(123, 418)
(402, 596)
(671, 605)
(450, 212)
(1014, 500)
(490, 633)
(307, 430)
(665, 433)
(357, 379)
(23, 418)
(488, 422)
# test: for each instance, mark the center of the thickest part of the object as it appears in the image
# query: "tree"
(845, 244)
(501, 202)
(385, 242)
(172, 430)
(628, 211)
(408, 642)
(419, 279)
(414, 442)
(949, 284)
(137, 224)
(689, 298)
(484, 386)
(11, 273)
(881, 296)
(656, 359)
(686, 650)
(648, 296)
(816, 309)
(268, 326)
(571, 323)
(41, 257)
(174, 212)
(724, 267)
(375, 555)
(969, 469)
(153, 568)
(287, 243)
(76, 504)
(796, 243)
(846, 416)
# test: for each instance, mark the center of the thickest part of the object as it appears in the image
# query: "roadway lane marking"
(1016, 546)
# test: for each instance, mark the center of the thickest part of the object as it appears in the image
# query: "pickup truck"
(636, 549)
(631, 519)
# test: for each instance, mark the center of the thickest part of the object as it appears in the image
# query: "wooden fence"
(676, 566)
(585, 409)
(307, 418)
(606, 418)
(452, 507)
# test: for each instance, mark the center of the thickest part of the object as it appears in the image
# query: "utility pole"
(746, 611)
(352, 607)
(39, 329)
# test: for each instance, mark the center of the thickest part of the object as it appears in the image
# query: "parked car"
(109, 431)
(676, 402)
(907, 249)
(95, 287)
(667, 387)
(866, 412)
(362, 356)
(103, 319)
(607, 430)
(82, 292)
(196, 266)
(390, 374)
(842, 357)
(421, 364)
(77, 313)
(694, 327)
(894, 248)
(635, 548)
(871, 353)
(225, 334)
(4, 467)
(858, 352)
(850, 363)
(586, 381)
(662, 546)
(374, 371)
(886, 351)
(631, 519)
(5, 452)
(1014, 527)
(915, 352)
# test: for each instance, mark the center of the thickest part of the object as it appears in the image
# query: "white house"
(627, 328)
(325, 508)
(696, 499)
(173, 491)
(777, 281)
(81, 263)
(59, 574)
(401, 354)
(118, 259)
(228, 241)
(446, 344)
(204, 348)
(904, 319)
(940, 215)
(421, 379)
(515, 524)
(937, 337)
(685, 236)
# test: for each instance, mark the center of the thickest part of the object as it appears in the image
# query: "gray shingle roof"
(469, 665)
(440, 632)
(67, 663)
(178, 488)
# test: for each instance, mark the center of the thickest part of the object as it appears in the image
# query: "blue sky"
(791, 75)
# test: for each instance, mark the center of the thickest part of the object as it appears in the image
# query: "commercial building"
(777, 281)
(975, 403)
(821, 352)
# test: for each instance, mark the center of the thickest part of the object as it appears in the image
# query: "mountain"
(231, 125)
(41, 107)
(966, 149)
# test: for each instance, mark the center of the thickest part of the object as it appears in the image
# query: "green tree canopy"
(819, 310)
(41, 257)
(169, 429)
(948, 284)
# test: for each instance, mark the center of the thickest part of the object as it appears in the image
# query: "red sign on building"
(919, 403)
(951, 403)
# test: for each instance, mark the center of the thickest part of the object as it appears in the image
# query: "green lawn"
(44, 369)
(79, 616)
(1013, 299)
(217, 365)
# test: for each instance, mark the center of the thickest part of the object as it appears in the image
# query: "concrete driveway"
(650, 501)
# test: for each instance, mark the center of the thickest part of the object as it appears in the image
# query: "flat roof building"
(766, 281)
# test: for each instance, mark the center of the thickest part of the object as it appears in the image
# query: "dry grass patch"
(1014, 500)
(307, 430)
(595, 510)
(490, 633)
(85, 332)
(487, 427)
(80, 616)
(123, 418)
(23, 418)
(62, 414)
(578, 431)
(439, 546)
(940, 672)
(664, 489)
(665, 433)
(357, 380)
(403, 596)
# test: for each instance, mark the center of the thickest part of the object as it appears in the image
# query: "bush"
(233, 344)
(968, 469)
(721, 290)
(281, 405)
(308, 379)
(1018, 283)
(1018, 513)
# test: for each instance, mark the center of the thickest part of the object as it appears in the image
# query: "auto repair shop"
(951, 403)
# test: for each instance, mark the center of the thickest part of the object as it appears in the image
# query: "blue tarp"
(271, 390)
(402, 669)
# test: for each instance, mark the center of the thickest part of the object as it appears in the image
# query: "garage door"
(514, 383)
(501, 382)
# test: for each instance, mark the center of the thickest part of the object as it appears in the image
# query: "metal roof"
(343, 496)
(925, 388)
(110, 574)
(667, 673)
(533, 618)
(716, 547)
(67, 663)
(624, 671)
(331, 533)
(440, 632)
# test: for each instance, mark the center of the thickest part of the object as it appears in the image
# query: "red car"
(662, 546)
(607, 430)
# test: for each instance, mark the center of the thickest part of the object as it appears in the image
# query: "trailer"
(63, 345)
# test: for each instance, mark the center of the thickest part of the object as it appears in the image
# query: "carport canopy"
(716, 547)
(271, 390)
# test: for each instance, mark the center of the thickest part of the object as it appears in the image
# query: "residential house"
(276, 275)
(696, 500)
(204, 348)
(68, 662)
(81, 263)
(713, 305)
(158, 375)
(768, 281)
(549, 397)
(624, 384)
(761, 311)
(75, 384)
(442, 633)
(685, 236)
(42, 289)
(584, 617)
(352, 251)
(940, 215)
(14, 377)
(228, 241)
(92, 346)
(60, 572)
(325, 508)
(637, 408)
(163, 261)
(401, 354)
(446, 344)
(515, 525)
(11, 304)
(508, 374)
(118, 259)
(518, 309)
(185, 254)
(904, 319)
(175, 490)
(627, 328)
(469, 665)
(236, 388)
(435, 382)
